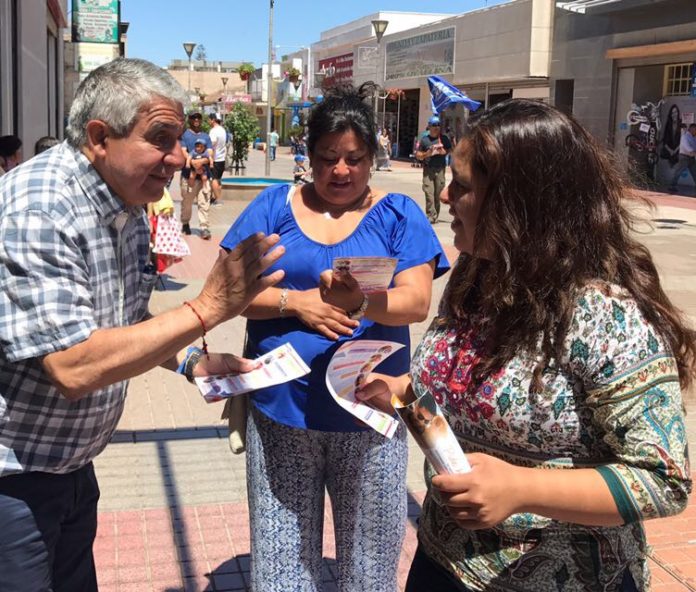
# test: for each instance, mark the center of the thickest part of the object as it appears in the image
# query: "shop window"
(677, 79)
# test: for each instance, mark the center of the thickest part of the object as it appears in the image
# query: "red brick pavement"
(206, 548)
(195, 549)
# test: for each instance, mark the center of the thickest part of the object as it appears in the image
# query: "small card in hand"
(373, 274)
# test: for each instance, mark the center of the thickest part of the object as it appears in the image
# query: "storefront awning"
(603, 6)
(651, 51)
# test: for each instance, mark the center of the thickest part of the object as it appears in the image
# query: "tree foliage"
(201, 54)
(244, 127)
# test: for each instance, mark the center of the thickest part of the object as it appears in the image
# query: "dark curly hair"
(553, 220)
(344, 108)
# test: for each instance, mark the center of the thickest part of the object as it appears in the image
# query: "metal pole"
(189, 75)
(269, 82)
(398, 122)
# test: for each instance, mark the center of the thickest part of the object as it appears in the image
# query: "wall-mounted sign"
(89, 56)
(95, 21)
(367, 58)
(342, 68)
(421, 55)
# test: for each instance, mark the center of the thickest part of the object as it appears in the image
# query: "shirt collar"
(107, 204)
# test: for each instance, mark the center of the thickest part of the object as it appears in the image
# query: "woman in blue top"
(300, 443)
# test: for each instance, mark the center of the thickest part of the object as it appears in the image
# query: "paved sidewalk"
(173, 511)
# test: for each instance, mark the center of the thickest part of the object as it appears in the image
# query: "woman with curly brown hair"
(557, 359)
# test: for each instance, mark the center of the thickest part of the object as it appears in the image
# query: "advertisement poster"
(677, 113)
(95, 21)
(90, 56)
(421, 55)
(340, 67)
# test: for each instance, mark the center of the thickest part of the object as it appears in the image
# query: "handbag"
(235, 412)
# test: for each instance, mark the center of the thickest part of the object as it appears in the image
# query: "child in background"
(299, 172)
(166, 243)
(200, 163)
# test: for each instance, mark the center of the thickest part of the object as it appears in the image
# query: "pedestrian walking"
(198, 191)
(432, 151)
(384, 143)
(556, 359)
(74, 292)
(273, 138)
(218, 139)
(687, 157)
(300, 443)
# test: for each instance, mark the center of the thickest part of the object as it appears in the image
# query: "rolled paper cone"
(429, 428)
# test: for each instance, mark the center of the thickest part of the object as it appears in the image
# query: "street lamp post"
(269, 78)
(379, 27)
(188, 48)
(224, 90)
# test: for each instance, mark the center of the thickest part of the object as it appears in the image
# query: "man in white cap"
(432, 152)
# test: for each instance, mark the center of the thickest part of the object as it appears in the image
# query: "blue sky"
(238, 29)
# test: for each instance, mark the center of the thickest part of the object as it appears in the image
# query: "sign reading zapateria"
(421, 55)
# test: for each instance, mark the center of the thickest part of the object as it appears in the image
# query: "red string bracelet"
(200, 320)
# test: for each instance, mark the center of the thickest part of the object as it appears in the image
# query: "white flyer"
(373, 274)
(348, 369)
(277, 366)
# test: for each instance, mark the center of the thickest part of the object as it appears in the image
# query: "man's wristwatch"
(359, 312)
(193, 356)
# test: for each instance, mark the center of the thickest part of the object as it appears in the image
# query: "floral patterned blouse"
(613, 403)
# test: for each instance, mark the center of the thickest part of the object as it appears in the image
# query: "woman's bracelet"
(283, 303)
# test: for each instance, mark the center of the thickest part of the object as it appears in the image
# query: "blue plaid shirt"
(72, 260)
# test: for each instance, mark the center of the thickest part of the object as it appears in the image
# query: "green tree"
(244, 126)
(201, 54)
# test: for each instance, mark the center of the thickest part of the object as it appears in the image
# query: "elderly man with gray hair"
(74, 325)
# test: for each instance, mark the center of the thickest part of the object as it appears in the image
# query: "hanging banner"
(421, 55)
(95, 21)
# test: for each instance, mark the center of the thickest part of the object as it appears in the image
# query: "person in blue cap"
(299, 171)
(432, 152)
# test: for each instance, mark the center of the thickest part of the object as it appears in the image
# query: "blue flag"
(443, 95)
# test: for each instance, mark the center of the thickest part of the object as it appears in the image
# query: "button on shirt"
(687, 144)
(72, 260)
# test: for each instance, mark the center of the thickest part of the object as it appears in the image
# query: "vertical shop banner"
(95, 21)
(421, 55)
(342, 68)
(693, 80)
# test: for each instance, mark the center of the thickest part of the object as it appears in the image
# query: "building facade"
(625, 69)
(31, 69)
(492, 54)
